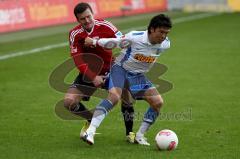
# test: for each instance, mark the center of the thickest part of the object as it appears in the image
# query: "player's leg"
(101, 112)
(128, 114)
(142, 88)
(116, 84)
(155, 101)
(77, 92)
(72, 103)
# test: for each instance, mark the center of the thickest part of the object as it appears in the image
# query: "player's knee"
(114, 97)
(160, 102)
(126, 103)
(69, 103)
(157, 104)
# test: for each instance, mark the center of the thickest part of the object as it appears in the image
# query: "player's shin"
(99, 114)
(149, 118)
(82, 111)
(128, 116)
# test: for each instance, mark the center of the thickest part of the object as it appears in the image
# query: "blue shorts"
(136, 83)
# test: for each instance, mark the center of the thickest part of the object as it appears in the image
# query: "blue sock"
(101, 111)
(105, 106)
(150, 116)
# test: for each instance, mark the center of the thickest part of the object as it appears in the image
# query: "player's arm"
(110, 43)
(119, 42)
(114, 38)
(77, 53)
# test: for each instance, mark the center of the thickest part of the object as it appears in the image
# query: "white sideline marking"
(53, 46)
(33, 51)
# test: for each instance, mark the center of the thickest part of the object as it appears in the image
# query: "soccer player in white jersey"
(141, 49)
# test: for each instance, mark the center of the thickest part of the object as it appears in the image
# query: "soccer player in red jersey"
(93, 64)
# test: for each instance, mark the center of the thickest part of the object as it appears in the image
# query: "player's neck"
(90, 29)
(150, 39)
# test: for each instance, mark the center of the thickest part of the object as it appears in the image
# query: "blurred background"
(25, 14)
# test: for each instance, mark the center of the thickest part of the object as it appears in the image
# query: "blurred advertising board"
(205, 5)
(26, 14)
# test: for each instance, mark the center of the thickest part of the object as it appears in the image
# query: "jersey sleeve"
(123, 41)
(77, 53)
(166, 44)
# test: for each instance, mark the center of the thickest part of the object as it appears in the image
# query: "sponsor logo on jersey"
(142, 58)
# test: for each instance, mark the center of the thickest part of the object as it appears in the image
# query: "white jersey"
(140, 56)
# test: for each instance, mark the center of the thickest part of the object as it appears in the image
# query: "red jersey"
(96, 60)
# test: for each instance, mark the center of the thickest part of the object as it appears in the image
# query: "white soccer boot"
(88, 137)
(141, 140)
(84, 129)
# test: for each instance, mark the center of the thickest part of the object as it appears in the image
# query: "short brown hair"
(81, 7)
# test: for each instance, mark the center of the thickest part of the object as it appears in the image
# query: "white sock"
(91, 129)
(96, 121)
(143, 129)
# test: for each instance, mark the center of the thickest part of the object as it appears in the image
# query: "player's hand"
(98, 81)
(88, 42)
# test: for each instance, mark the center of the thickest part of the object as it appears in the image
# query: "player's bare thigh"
(114, 95)
(73, 97)
(73, 94)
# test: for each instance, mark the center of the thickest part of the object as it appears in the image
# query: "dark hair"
(158, 21)
(81, 7)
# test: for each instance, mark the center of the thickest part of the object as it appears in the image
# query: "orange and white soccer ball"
(166, 140)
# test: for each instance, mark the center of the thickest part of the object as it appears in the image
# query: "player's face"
(158, 35)
(86, 19)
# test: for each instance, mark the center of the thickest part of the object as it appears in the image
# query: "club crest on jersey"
(158, 51)
(142, 58)
(73, 49)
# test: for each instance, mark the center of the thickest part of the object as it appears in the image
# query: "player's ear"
(152, 30)
(77, 19)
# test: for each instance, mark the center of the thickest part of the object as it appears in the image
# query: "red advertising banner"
(25, 14)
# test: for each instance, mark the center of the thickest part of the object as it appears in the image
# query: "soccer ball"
(166, 140)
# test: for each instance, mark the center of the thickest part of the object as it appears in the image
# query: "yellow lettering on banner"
(154, 3)
(111, 5)
(234, 5)
(45, 11)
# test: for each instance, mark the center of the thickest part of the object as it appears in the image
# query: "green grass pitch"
(203, 65)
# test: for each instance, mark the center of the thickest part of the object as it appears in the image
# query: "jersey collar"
(145, 38)
(92, 28)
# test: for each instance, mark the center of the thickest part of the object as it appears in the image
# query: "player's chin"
(160, 41)
(89, 26)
